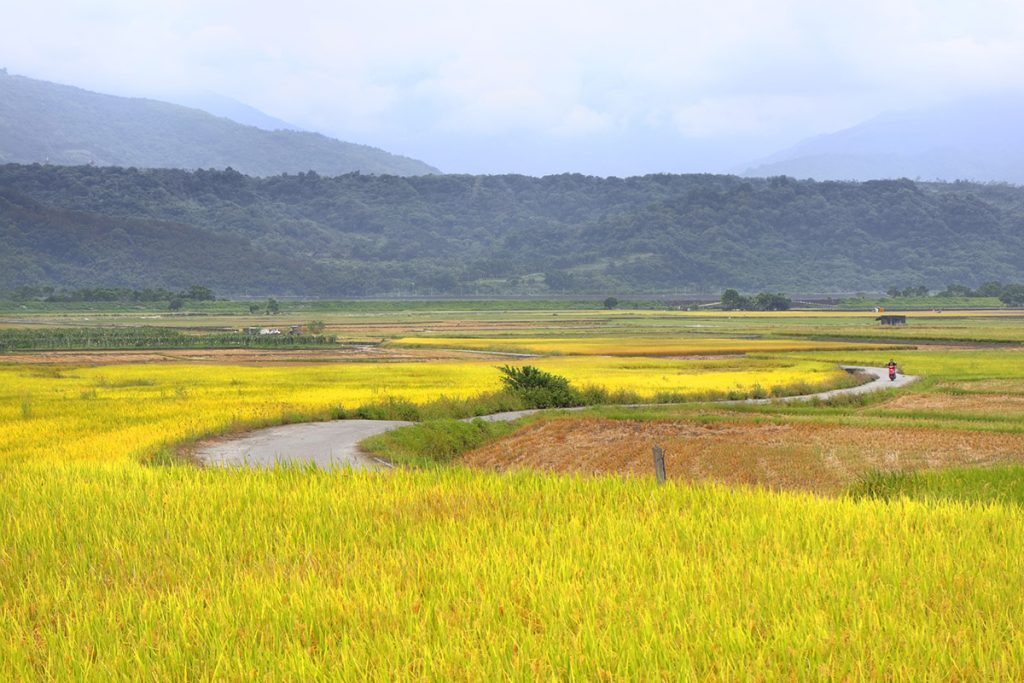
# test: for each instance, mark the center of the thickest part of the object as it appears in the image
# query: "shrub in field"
(436, 442)
(441, 408)
(391, 408)
(538, 388)
(593, 395)
(445, 407)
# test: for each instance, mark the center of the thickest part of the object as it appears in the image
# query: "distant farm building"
(892, 319)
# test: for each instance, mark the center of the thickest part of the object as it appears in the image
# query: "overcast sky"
(537, 86)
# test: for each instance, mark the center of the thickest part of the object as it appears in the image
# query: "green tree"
(198, 293)
(766, 301)
(611, 302)
(539, 389)
(1012, 295)
(734, 301)
(558, 280)
(991, 289)
(273, 306)
(956, 290)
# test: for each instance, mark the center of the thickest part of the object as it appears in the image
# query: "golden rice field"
(632, 345)
(178, 573)
(109, 413)
(111, 569)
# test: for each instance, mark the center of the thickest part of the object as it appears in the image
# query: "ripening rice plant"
(111, 413)
(631, 345)
(113, 572)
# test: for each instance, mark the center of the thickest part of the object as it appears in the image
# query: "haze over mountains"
(42, 122)
(978, 138)
(229, 108)
(981, 138)
(365, 222)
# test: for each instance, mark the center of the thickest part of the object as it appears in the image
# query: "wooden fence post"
(659, 464)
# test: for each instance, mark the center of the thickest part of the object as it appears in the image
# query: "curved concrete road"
(881, 381)
(326, 444)
(336, 443)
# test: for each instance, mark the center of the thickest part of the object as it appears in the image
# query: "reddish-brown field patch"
(953, 404)
(819, 458)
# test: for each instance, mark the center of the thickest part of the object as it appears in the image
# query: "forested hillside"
(46, 122)
(363, 234)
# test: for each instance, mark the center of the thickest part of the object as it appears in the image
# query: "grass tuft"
(436, 442)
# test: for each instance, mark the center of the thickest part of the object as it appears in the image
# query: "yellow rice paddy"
(184, 574)
(113, 570)
(631, 346)
(109, 413)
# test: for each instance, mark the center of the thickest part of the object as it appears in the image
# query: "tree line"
(732, 300)
(1011, 294)
(363, 235)
(124, 294)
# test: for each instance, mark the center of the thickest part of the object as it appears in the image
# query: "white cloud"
(582, 120)
(701, 69)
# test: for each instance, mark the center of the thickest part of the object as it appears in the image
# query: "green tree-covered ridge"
(356, 234)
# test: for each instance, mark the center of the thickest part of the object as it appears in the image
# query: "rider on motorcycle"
(892, 369)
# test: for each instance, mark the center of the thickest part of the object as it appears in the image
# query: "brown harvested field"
(974, 404)
(995, 386)
(455, 327)
(244, 356)
(818, 458)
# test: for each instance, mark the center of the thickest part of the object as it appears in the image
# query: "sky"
(537, 86)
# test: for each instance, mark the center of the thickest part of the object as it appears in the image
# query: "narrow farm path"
(336, 443)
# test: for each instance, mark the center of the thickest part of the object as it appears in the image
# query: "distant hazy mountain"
(978, 139)
(230, 108)
(58, 124)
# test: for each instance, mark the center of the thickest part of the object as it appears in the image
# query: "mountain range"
(980, 139)
(43, 122)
